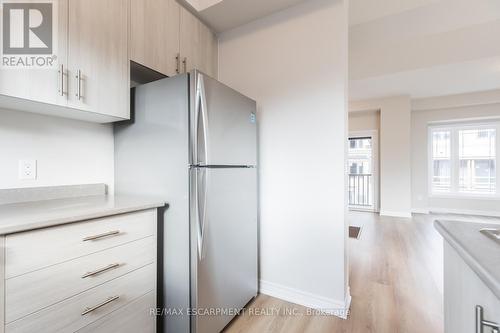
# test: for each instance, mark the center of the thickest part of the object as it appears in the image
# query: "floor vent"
(354, 232)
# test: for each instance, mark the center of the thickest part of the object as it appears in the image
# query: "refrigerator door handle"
(202, 115)
(205, 221)
(201, 209)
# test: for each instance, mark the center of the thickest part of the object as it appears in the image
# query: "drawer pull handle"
(100, 270)
(106, 234)
(95, 307)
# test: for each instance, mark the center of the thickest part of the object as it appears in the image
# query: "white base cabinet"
(463, 291)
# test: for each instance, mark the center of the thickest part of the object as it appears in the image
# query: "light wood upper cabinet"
(154, 34)
(42, 85)
(198, 45)
(96, 40)
(161, 30)
(98, 66)
(92, 39)
(190, 43)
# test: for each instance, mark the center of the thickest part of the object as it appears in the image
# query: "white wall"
(364, 121)
(67, 151)
(294, 63)
(447, 108)
(395, 174)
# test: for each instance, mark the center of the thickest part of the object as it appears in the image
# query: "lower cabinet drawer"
(83, 309)
(33, 291)
(132, 318)
(32, 250)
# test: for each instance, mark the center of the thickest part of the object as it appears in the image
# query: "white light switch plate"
(27, 169)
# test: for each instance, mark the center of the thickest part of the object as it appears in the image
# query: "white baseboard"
(394, 213)
(420, 210)
(347, 303)
(439, 210)
(321, 304)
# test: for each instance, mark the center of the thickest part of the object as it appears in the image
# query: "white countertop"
(481, 253)
(17, 217)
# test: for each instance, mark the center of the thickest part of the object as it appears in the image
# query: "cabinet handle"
(178, 63)
(100, 270)
(481, 322)
(106, 234)
(61, 80)
(79, 84)
(97, 306)
(184, 64)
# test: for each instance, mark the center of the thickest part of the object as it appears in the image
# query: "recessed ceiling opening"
(200, 5)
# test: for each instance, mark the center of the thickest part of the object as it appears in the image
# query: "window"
(360, 155)
(441, 161)
(476, 154)
(463, 159)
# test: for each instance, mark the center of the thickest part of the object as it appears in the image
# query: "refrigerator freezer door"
(223, 244)
(223, 124)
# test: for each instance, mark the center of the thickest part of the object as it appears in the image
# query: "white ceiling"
(471, 76)
(223, 15)
(423, 48)
(419, 48)
(362, 11)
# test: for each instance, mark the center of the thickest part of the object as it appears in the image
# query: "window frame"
(455, 160)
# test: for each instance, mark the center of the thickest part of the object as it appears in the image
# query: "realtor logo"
(28, 34)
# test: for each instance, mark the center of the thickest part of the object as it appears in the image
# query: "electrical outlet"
(27, 169)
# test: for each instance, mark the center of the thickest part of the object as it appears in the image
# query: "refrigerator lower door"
(223, 125)
(223, 244)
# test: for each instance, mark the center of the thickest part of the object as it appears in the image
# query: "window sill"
(464, 196)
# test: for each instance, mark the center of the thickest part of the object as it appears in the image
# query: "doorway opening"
(363, 171)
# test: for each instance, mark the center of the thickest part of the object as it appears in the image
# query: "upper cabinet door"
(98, 65)
(154, 34)
(45, 84)
(198, 45)
(190, 43)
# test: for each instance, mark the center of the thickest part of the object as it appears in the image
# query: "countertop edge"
(78, 218)
(469, 259)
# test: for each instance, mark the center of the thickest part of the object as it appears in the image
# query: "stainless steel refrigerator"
(193, 142)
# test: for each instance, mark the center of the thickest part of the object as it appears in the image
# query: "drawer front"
(32, 250)
(33, 291)
(132, 318)
(81, 310)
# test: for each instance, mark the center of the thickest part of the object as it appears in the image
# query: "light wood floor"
(396, 279)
